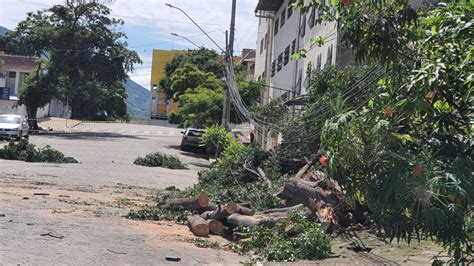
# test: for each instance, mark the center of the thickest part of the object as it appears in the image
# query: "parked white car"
(13, 127)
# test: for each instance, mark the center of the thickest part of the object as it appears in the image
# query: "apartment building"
(282, 31)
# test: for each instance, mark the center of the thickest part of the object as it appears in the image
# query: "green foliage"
(290, 239)
(203, 243)
(216, 139)
(190, 77)
(25, 151)
(91, 65)
(230, 179)
(158, 159)
(198, 108)
(173, 213)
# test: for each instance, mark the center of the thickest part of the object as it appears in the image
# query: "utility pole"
(229, 57)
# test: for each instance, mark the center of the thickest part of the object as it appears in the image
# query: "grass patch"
(25, 151)
(157, 159)
(203, 243)
(174, 213)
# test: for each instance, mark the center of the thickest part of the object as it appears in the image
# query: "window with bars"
(286, 58)
(280, 62)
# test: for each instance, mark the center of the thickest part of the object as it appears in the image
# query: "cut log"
(191, 204)
(221, 212)
(215, 226)
(198, 226)
(244, 210)
(237, 219)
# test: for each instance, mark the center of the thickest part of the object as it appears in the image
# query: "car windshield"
(10, 120)
(195, 133)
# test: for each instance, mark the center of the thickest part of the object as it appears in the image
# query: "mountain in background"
(3, 30)
(137, 100)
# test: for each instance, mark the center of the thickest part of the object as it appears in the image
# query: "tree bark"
(244, 210)
(215, 226)
(191, 204)
(198, 226)
(237, 219)
(221, 212)
(32, 120)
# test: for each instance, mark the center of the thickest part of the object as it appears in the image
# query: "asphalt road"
(79, 220)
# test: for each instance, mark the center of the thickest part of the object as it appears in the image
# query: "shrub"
(158, 159)
(25, 151)
(291, 239)
(216, 139)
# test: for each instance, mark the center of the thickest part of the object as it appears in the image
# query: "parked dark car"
(191, 139)
(100, 116)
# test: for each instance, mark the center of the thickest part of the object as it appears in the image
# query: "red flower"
(388, 111)
(323, 160)
(417, 169)
(346, 2)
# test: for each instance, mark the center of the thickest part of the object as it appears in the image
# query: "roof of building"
(268, 5)
(18, 62)
(248, 54)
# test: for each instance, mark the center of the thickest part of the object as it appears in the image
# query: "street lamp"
(187, 39)
(197, 25)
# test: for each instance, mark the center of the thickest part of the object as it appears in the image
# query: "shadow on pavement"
(196, 153)
(88, 135)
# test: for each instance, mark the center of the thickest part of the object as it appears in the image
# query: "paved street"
(80, 220)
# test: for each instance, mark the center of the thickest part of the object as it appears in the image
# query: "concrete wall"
(7, 107)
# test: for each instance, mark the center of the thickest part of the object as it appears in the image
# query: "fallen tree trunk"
(198, 226)
(264, 177)
(303, 170)
(324, 198)
(244, 210)
(237, 219)
(215, 226)
(283, 210)
(191, 204)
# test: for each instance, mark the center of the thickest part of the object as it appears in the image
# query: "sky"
(149, 24)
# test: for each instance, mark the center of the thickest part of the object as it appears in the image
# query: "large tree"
(84, 50)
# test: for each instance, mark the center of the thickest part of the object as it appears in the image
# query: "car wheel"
(184, 148)
(27, 137)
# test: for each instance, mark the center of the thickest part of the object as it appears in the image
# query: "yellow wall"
(160, 59)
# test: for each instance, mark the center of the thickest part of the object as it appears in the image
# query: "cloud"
(151, 22)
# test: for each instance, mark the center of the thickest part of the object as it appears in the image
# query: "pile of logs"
(312, 194)
(205, 218)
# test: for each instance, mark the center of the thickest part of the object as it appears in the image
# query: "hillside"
(137, 100)
(3, 30)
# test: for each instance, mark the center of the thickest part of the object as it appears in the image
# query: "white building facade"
(283, 31)
(13, 71)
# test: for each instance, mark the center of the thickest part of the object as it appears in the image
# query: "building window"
(12, 74)
(261, 46)
(286, 58)
(266, 41)
(293, 47)
(312, 17)
(318, 62)
(280, 62)
(330, 53)
(290, 7)
(303, 26)
(273, 68)
(283, 17)
(275, 28)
